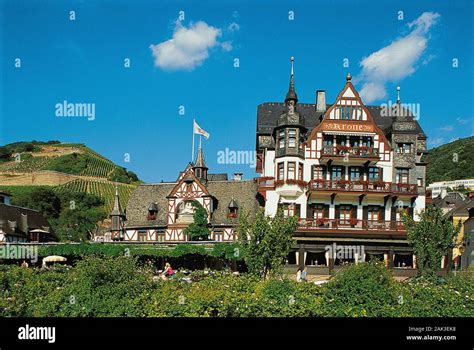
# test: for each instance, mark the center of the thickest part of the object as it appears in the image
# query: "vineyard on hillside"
(74, 159)
(102, 189)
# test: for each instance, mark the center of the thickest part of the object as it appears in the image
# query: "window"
(281, 171)
(345, 214)
(318, 211)
(142, 236)
(291, 171)
(419, 182)
(233, 212)
(318, 172)
(281, 139)
(355, 141)
(341, 140)
(328, 140)
(374, 173)
(374, 213)
(402, 176)
(404, 148)
(292, 138)
(336, 173)
(300, 171)
(367, 141)
(290, 209)
(355, 173)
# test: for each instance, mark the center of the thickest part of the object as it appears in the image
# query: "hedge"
(229, 251)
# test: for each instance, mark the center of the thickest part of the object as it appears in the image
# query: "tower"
(118, 218)
(200, 168)
(290, 130)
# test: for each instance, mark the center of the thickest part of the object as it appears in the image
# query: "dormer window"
(233, 209)
(152, 211)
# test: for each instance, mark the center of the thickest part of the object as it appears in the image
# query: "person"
(168, 271)
(298, 275)
(304, 274)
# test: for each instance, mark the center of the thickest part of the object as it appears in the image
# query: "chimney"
(320, 101)
(237, 176)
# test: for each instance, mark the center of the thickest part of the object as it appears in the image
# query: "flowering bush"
(98, 287)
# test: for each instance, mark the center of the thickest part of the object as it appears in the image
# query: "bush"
(366, 289)
(116, 287)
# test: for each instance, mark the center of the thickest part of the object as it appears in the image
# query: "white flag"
(199, 131)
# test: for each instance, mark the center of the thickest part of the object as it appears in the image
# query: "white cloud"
(188, 47)
(233, 27)
(397, 60)
(435, 141)
(463, 121)
(446, 128)
(226, 46)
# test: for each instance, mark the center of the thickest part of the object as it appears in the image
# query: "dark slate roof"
(24, 218)
(462, 209)
(244, 192)
(142, 196)
(452, 199)
(216, 177)
(268, 113)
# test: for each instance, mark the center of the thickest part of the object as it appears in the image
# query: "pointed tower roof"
(291, 94)
(200, 163)
(117, 210)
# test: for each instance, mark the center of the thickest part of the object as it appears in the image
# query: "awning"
(55, 258)
(349, 133)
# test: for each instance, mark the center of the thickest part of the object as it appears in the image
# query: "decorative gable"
(347, 116)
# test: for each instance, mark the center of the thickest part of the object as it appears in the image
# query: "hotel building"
(348, 171)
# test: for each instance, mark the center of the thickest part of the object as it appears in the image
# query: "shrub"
(366, 289)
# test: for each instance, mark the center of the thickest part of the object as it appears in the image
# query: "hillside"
(64, 166)
(451, 161)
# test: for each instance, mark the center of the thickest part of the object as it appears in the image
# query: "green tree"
(198, 230)
(266, 241)
(433, 237)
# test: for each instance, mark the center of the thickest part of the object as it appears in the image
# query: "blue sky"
(137, 108)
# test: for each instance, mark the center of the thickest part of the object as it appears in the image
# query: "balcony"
(264, 184)
(324, 224)
(355, 154)
(291, 188)
(361, 186)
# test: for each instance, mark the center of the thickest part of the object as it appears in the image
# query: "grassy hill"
(91, 172)
(452, 161)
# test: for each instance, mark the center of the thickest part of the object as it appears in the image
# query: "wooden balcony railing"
(361, 186)
(266, 182)
(352, 224)
(269, 183)
(358, 151)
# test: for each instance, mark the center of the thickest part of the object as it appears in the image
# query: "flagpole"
(192, 154)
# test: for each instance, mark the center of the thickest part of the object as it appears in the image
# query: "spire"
(398, 94)
(200, 168)
(348, 77)
(200, 163)
(291, 95)
(117, 210)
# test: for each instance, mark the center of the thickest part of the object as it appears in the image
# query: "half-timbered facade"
(161, 212)
(347, 170)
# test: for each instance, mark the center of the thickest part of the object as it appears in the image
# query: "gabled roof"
(26, 220)
(222, 192)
